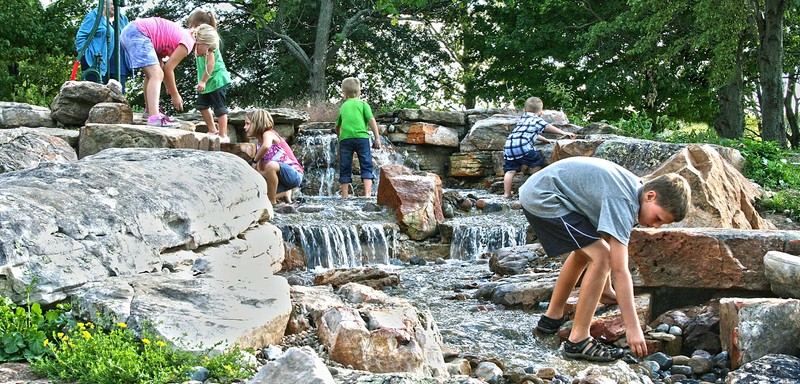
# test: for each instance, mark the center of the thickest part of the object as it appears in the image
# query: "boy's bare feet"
(608, 298)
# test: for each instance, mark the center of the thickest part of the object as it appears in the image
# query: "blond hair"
(351, 87)
(261, 121)
(534, 105)
(201, 16)
(673, 194)
(206, 34)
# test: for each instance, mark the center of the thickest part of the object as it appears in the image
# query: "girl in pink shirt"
(147, 42)
(274, 158)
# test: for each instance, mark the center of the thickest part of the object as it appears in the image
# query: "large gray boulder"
(23, 148)
(297, 365)
(117, 213)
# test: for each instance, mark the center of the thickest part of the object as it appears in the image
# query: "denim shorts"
(214, 99)
(138, 47)
(346, 149)
(563, 234)
(531, 159)
(288, 178)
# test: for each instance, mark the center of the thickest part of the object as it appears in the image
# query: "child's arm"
(266, 143)
(169, 75)
(623, 284)
(210, 63)
(374, 125)
(552, 129)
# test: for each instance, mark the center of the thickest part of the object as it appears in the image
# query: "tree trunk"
(791, 112)
(770, 65)
(319, 62)
(730, 122)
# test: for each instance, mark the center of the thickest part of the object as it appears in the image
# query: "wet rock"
(371, 277)
(618, 372)
(664, 362)
(772, 368)
(297, 365)
(700, 365)
(488, 134)
(488, 372)
(415, 199)
(515, 260)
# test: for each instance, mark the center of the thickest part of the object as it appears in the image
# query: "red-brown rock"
(416, 200)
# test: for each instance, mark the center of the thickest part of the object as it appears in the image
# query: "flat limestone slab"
(97, 137)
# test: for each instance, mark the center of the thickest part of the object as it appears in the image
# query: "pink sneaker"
(161, 120)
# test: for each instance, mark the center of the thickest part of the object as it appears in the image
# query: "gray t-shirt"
(604, 192)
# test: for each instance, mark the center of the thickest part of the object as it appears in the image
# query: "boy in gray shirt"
(588, 207)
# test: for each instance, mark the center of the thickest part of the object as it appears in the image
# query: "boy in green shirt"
(351, 126)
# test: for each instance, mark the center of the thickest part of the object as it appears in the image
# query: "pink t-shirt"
(166, 35)
(281, 153)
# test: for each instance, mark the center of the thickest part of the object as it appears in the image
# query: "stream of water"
(479, 328)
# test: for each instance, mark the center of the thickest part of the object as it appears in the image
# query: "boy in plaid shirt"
(518, 152)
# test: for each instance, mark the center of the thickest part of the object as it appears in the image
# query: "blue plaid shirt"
(522, 138)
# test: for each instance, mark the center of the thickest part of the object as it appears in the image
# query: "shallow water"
(499, 333)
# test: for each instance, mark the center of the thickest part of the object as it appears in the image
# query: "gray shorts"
(138, 47)
(563, 234)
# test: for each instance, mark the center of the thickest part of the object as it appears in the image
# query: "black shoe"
(550, 326)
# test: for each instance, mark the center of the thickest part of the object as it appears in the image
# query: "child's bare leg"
(367, 187)
(591, 288)
(508, 180)
(285, 195)
(567, 278)
(208, 118)
(535, 169)
(223, 125)
(345, 189)
(153, 77)
(270, 173)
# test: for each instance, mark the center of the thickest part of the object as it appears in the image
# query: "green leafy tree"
(36, 48)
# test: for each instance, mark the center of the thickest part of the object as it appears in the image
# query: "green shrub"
(24, 329)
(88, 354)
(786, 202)
(768, 165)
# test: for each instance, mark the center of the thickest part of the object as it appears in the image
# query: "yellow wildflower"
(65, 338)
(146, 341)
(60, 335)
(86, 335)
(81, 325)
(160, 343)
(45, 342)
(122, 325)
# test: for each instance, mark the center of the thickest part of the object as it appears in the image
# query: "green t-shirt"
(219, 76)
(353, 119)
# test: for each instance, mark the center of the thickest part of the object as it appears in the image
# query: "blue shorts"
(531, 159)
(563, 234)
(346, 149)
(288, 178)
(138, 47)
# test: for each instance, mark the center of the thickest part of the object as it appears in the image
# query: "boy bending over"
(588, 207)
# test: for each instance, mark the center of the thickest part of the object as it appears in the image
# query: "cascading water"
(316, 150)
(476, 234)
(471, 238)
(333, 233)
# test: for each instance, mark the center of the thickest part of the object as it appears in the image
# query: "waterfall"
(317, 152)
(472, 238)
(341, 245)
